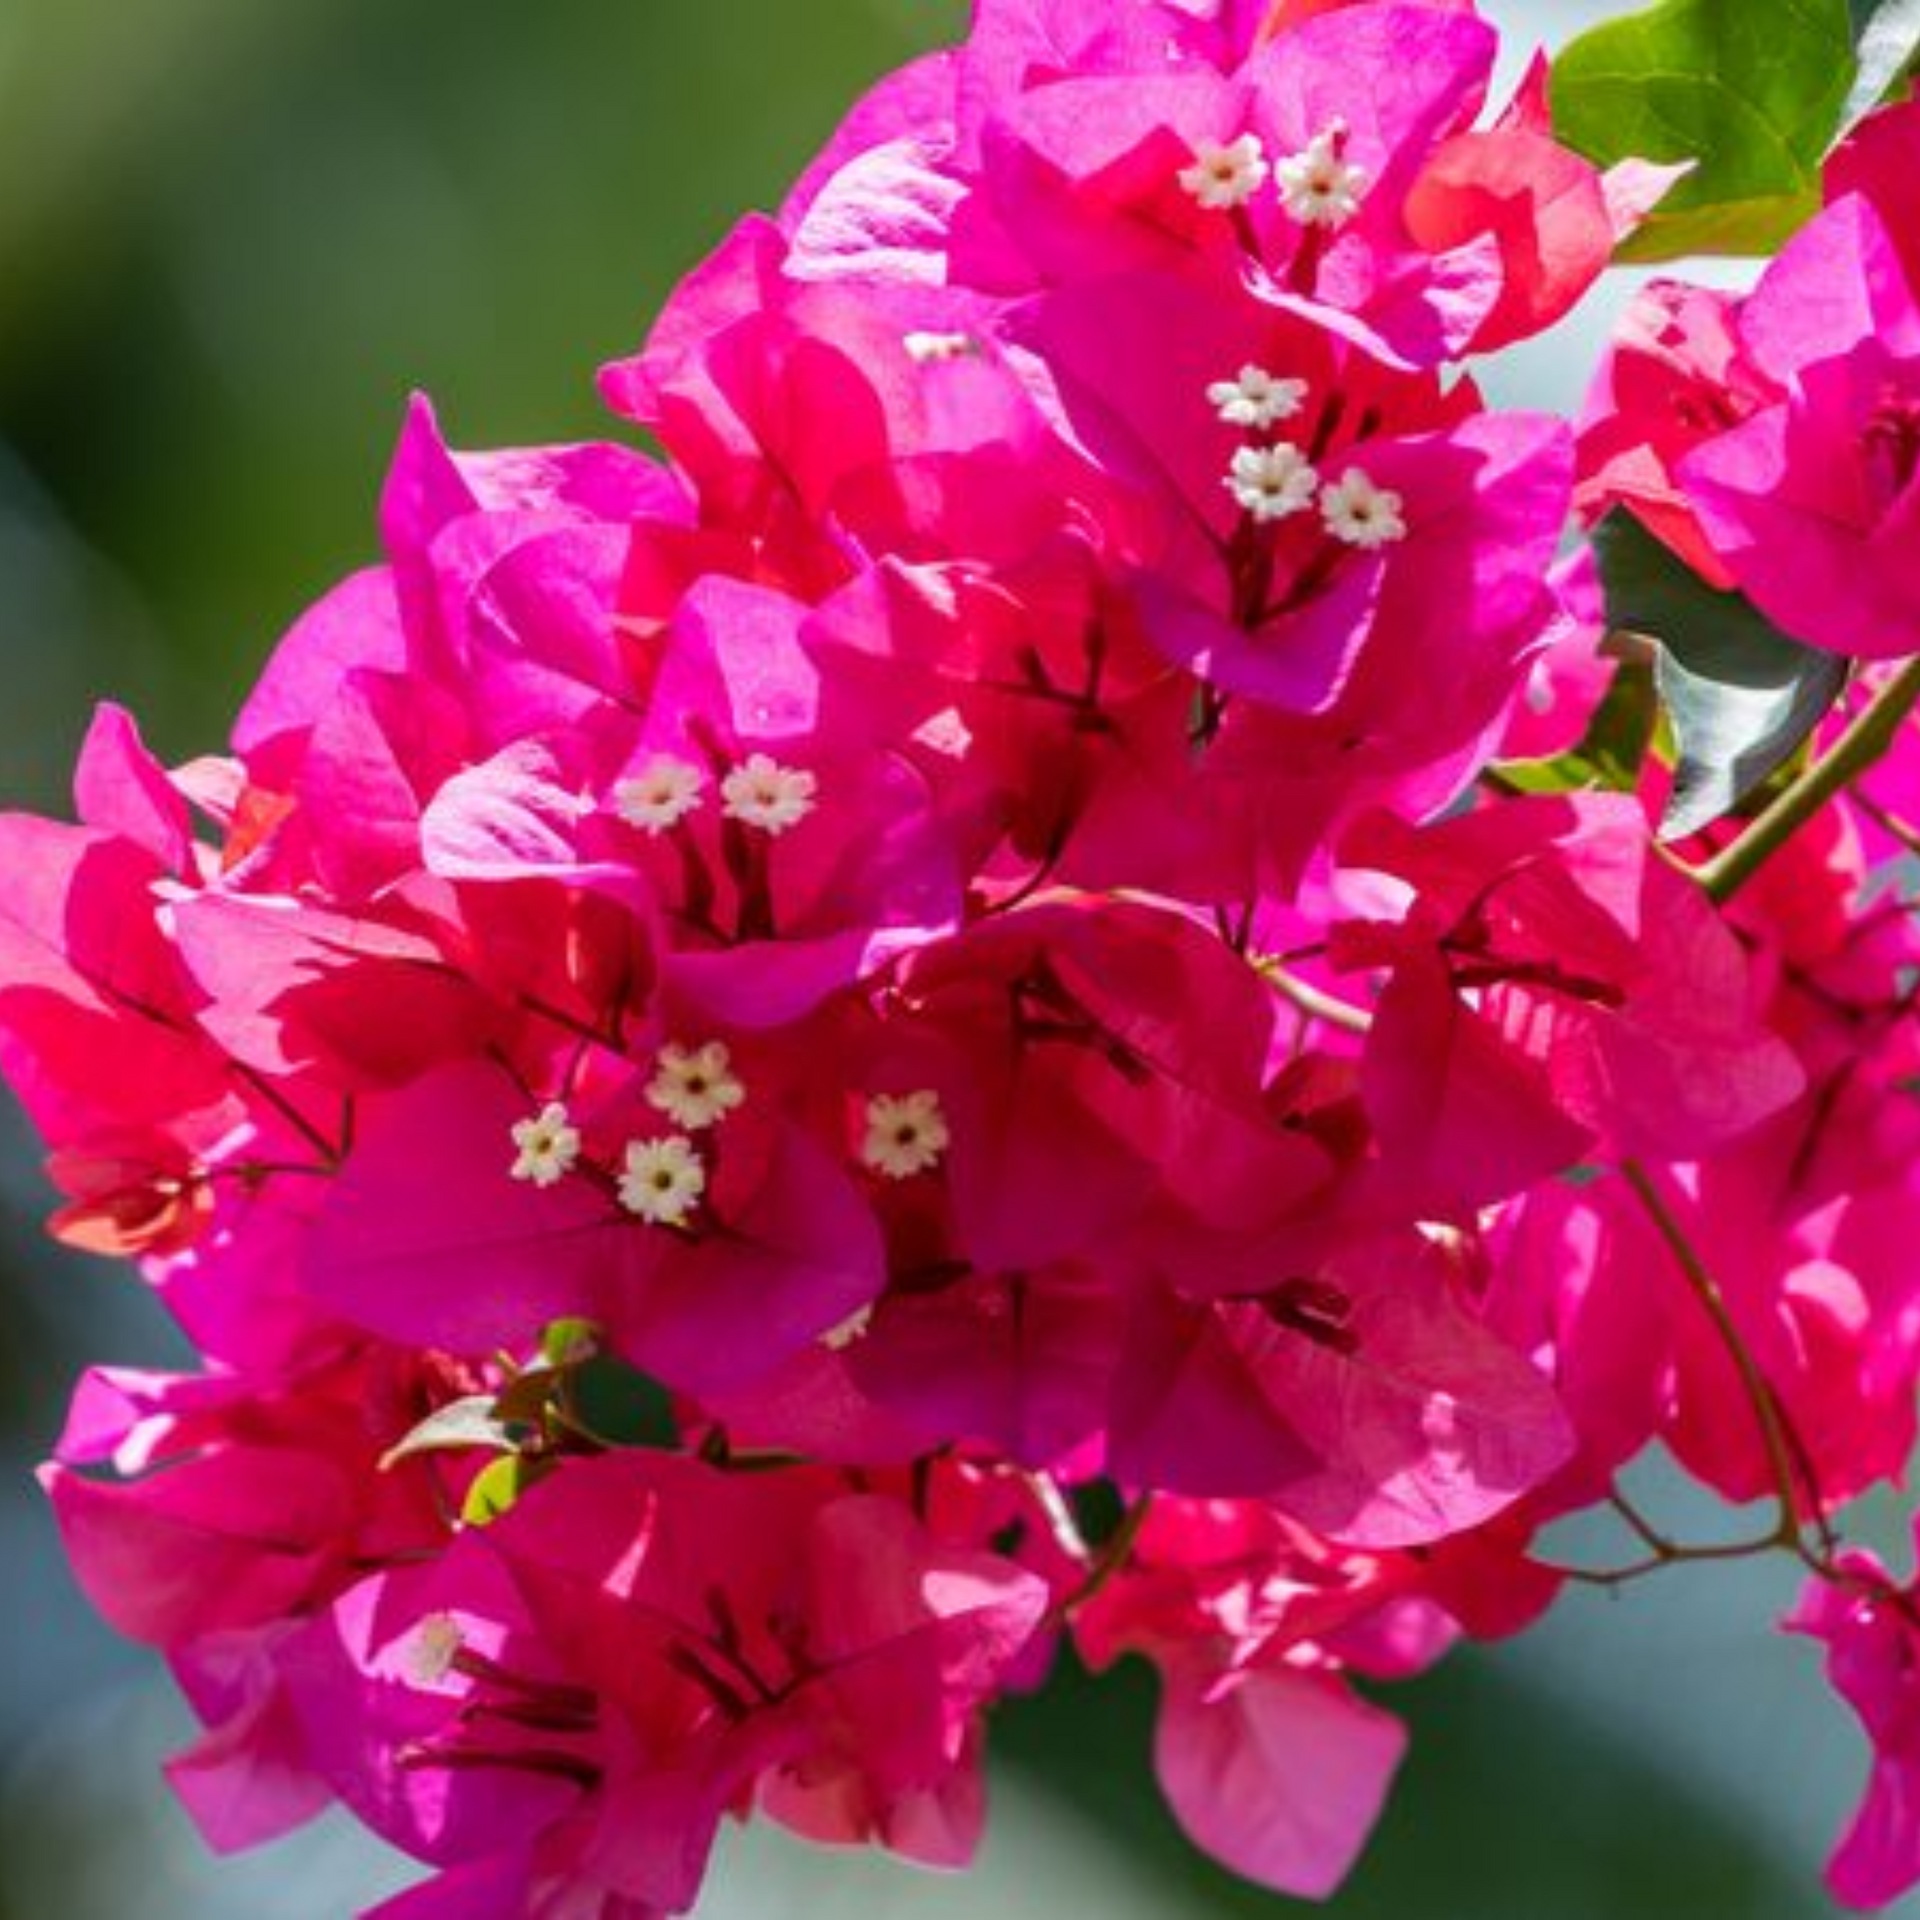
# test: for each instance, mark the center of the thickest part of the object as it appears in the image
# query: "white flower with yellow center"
(661, 794)
(906, 1134)
(437, 1643)
(695, 1087)
(663, 1181)
(1272, 483)
(548, 1144)
(1225, 177)
(1362, 514)
(761, 793)
(1255, 398)
(929, 349)
(1319, 188)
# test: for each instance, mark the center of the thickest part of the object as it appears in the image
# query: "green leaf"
(617, 1405)
(497, 1486)
(1608, 756)
(1752, 92)
(1889, 33)
(459, 1425)
(1743, 696)
(566, 1341)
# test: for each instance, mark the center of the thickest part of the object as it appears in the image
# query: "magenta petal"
(1837, 283)
(1191, 1417)
(293, 989)
(795, 1253)
(1298, 663)
(545, 650)
(382, 746)
(231, 1539)
(1372, 1408)
(885, 214)
(369, 1704)
(120, 788)
(915, 1635)
(1818, 574)
(246, 1782)
(757, 985)
(85, 977)
(1464, 1118)
(425, 1237)
(1023, 1361)
(514, 817)
(356, 625)
(1278, 1774)
(1400, 77)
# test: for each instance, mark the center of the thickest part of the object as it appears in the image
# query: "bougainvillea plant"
(1101, 972)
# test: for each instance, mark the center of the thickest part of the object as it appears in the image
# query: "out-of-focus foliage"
(1754, 95)
(233, 236)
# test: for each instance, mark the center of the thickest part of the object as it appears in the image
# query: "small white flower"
(1272, 483)
(761, 793)
(1362, 514)
(1256, 399)
(1229, 176)
(663, 1181)
(906, 1134)
(695, 1087)
(436, 1646)
(1317, 187)
(548, 1146)
(661, 794)
(928, 349)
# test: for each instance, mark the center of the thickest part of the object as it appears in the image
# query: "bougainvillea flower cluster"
(934, 1033)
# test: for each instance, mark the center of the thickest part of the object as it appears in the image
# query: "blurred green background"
(233, 235)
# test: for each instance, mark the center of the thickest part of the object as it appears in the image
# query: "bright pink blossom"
(1051, 149)
(1872, 1639)
(1363, 1399)
(1555, 989)
(642, 1647)
(1812, 503)
(1675, 376)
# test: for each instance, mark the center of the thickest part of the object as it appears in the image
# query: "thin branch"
(1323, 1007)
(1667, 1554)
(331, 1151)
(1864, 744)
(1760, 1394)
(1115, 1551)
(1889, 822)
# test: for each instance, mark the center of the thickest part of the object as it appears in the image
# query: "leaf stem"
(1864, 744)
(1324, 1007)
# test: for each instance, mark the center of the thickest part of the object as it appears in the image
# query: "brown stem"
(1788, 1459)
(1115, 1551)
(1760, 1394)
(1669, 1553)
